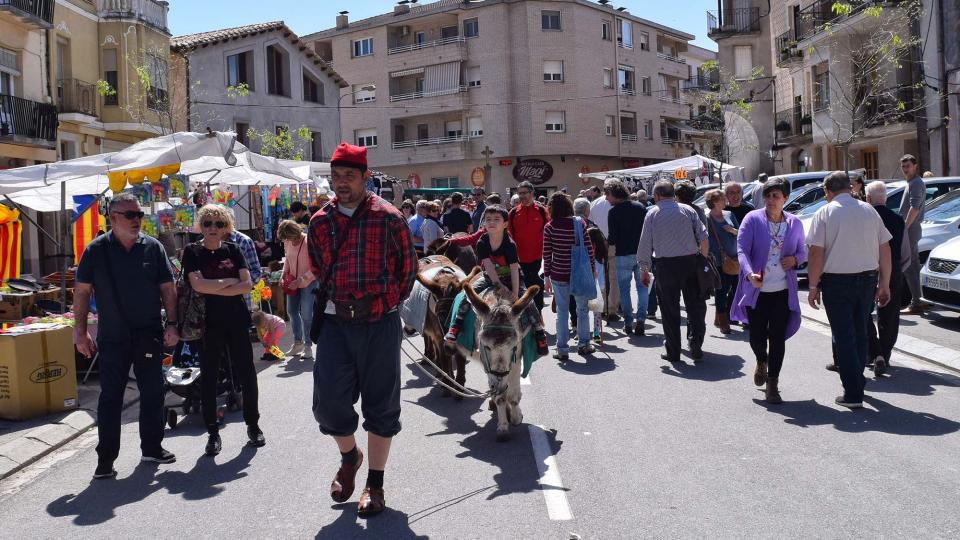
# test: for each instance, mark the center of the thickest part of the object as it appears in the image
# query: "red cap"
(348, 155)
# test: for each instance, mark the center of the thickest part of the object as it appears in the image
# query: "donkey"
(463, 256)
(499, 340)
(444, 285)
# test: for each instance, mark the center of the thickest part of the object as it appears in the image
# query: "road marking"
(558, 509)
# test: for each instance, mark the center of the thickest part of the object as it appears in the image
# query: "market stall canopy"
(693, 167)
(422, 192)
(251, 169)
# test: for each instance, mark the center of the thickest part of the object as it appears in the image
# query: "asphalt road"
(621, 446)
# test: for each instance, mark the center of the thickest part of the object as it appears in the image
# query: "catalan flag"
(10, 248)
(87, 221)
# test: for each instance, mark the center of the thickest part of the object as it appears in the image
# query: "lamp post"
(365, 88)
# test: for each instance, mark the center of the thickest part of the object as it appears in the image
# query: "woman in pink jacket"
(297, 274)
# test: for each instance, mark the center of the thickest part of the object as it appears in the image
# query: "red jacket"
(526, 228)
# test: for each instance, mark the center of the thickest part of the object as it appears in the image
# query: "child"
(269, 328)
(501, 270)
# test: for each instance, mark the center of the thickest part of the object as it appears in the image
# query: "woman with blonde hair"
(218, 271)
(298, 284)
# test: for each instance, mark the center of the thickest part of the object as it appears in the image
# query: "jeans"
(848, 299)
(561, 295)
(530, 274)
(629, 269)
(728, 288)
(300, 309)
(912, 273)
(768, 329)
(217, 342)
(115, 360)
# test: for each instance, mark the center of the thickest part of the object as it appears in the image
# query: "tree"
(282, 144)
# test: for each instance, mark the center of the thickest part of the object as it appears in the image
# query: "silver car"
(940, 276)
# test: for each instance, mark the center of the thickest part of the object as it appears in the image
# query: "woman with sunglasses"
(218, 271)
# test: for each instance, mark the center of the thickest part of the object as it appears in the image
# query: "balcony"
(29, 122)
(705, 122)
(425, 45)
(629, 137)
(150, 12)
(792, 123)
(35, 13)
(421, 94)
(667, 98)
(815, 17)
(705, 82)
(787, 50)
(892, 107)
(416, 143)
(76, 96)
(730, 22)
(669, 58)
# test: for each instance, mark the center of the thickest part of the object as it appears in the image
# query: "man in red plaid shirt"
(362, 253)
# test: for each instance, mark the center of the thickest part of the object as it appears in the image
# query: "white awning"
(406, 72)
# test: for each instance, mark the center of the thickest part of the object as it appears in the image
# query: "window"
(157, 94)
(607, 78)
(608, 125)
(445, 182)
(423, 132)
(553, 70)
(475, 126)
(399, 133)
(316, 146)
(472, 76)
(242, 128)
(278, 72)
(645, 86)
(742, 61)
(367, 138)
(626, 78)
(110, 76)
(280, 129)
(454, 128)
(555, 121)
(312, 89)
(624, 33)
(821, 87)
(240, 69)
(363, 96)
(363, 47)
(448, 32)
(550, 20)
(644, 41)
(471, 28)
(648, 129)
(605, 32)
(6, 83)
(420, 38)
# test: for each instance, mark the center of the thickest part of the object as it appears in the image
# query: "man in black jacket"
(625, 223)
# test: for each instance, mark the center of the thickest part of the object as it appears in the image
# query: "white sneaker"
(296, 350)
(307, 352)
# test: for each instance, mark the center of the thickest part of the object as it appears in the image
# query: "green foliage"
(238, 91)
(283, 144)
(841, 8)
(104, 88)
(144, 75)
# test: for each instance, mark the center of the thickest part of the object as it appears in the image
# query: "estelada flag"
(87, 222)
(10, 230)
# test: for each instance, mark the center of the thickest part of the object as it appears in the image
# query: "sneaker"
(296, 350)
(586, 350)
(638, 329)
(912, 310)
(597, 338)
(162, 456)
(848, 404)
(307, 352)
(267, 357)
(562, 357)
(214, 444)
(104, 470)
(256, 436)
(451, 335)
(879, 366)
(832, 367)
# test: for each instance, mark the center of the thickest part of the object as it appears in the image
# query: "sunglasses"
(219, 224)
(131, 214)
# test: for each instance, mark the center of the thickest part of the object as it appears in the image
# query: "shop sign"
(535, 171)
(414, 180)
(477, 177)
(506, 162)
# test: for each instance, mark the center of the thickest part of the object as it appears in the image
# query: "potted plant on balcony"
(783, 128)
(806, 124)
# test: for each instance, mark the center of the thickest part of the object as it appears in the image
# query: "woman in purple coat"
(770, 246)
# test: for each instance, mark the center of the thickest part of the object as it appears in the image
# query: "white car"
(940, 276)
(941, 222)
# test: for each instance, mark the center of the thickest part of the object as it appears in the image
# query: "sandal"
(341, 489)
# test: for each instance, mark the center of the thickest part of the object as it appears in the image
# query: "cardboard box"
(15, 306)
(37, 372)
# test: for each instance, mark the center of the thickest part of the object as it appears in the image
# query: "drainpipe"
(616, 88)
(944, 100)
(186, 76)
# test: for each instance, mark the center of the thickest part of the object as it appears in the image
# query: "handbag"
(582, 282)
(321, 294)
(708, 279)
(728, 265)
(192, 310)
(288, 280)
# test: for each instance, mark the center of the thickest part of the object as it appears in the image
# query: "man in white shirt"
(849, 264)
(599, 210)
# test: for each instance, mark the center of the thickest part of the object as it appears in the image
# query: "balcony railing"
(425, 44)
(628, 91)
(32, 10)
(76, 96)
(151, 12)
(629, 137)
(397, 145)
(671, 140)
(677, 59)
(29, 119)
(894, 107)
(707, 82)
(787, 50)
(733, 21)
(434, 93)
(790, 123)
(705, 122)
(671, 99)
(817, 15)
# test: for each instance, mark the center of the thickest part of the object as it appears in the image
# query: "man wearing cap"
(479, 198)
(362, 254)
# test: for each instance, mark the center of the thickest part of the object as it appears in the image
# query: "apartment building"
(702, 133)
(28, 119)
(942, 68)
(109, 41)
(539, 90)
(286, 86)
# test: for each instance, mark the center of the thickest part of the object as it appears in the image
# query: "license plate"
(937, 283)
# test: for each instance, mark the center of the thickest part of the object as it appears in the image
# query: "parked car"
(941, 222)
(748, 189)
(940, 276)
(803, 197)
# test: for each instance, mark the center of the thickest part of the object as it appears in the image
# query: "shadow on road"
(599, 362)
(388, 524)
(293, 367)
(98, 503)
(509, 457)
(714, 367)
(900, 380)
(886, 418)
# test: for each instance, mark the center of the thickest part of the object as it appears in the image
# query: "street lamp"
(364, 88)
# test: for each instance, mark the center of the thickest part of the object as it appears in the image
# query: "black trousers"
(768, 329)
(676, 276)
(883, 335)
(217, 342)
(115, 360)
(530, 274)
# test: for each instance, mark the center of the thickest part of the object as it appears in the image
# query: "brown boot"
(724, 323)
(773, 393)
(760, 374)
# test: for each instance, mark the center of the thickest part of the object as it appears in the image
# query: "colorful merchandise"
(10, 243)
(166, 218)
(177, 187)
(184, 217)
(151, 225)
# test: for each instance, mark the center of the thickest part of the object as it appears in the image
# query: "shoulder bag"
(728, 265)
(708, 278)
(581, 272)
(191, 308)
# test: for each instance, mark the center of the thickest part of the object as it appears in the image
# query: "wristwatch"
(171, 323)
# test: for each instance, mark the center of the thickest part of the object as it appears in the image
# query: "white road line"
(550, 484)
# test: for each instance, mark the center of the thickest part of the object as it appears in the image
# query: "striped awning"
(406, 72)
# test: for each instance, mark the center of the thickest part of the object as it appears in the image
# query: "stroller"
(182, 377)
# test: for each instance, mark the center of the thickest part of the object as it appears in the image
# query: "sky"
(308, 16)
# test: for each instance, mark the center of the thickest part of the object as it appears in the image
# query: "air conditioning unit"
(404, 31)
